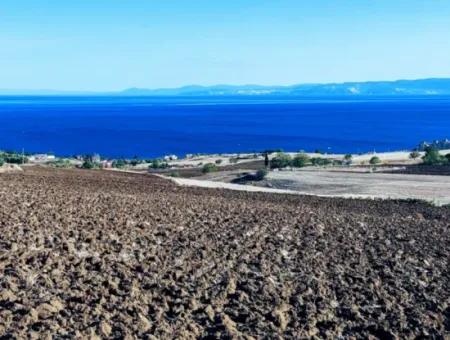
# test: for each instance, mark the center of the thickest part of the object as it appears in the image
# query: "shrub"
(348, 159)
(14, 158)
(233, 160)
(174, 174)
(87, 164)
(209, 167)
(319, 161)
(2, 161)
(218, 161)
(448, 157)
(60, 163)
(260, 174)
(375, 160)
(300, 160)
(432, 157)
(414, 155)
(119, 163)
(157, 164)
(281, 160)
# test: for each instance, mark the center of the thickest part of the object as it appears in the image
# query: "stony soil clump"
(115, 255)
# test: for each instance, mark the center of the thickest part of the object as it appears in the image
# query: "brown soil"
(117, 255)
(196, 172)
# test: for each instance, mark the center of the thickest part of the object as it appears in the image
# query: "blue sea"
(155, 126)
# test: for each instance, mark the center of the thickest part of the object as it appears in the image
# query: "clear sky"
(116, 44)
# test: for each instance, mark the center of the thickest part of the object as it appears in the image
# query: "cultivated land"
(338, 182)
(108, 254)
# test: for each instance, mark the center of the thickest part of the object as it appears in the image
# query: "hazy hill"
(381, 88)
(433, 86)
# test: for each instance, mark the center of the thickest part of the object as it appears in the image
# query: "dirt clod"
(97, 254)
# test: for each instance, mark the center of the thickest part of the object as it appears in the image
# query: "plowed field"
(115, 255)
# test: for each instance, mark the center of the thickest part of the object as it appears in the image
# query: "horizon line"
(215, 85)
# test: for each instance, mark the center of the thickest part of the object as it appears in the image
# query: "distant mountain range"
(432, 86)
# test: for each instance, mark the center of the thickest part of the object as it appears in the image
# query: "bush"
(414, 155)
(260, 174)
(14, 158)
(60, 163)
(87, 164)
(348, 159)
(174, 174)
(2, 161)
(218, 161)
(319, 161)
(119, 163)
(300, 160)
(157, 164)
(281, 160)
(432, 157)
(209, 167)
(375, 160)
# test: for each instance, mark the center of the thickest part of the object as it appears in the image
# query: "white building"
(170, 158)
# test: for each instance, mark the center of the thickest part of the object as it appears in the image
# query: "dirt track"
(90, 253)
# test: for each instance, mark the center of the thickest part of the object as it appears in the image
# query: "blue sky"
(116, 44)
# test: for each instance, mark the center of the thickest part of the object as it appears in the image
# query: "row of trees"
(12, 158)
(432, 157)
(283, 160)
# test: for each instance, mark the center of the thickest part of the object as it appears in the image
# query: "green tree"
(348, 159)
(14, 158)
(157, 164)
(432, 157)
(300, 160)
(119, 163)
(414, 155)
(319, 161)
(209, 167)
(88, 164)
(375, 160)
(281, 160)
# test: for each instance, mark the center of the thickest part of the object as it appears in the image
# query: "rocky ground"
(115, 255)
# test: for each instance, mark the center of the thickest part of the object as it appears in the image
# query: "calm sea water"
(150, 127)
